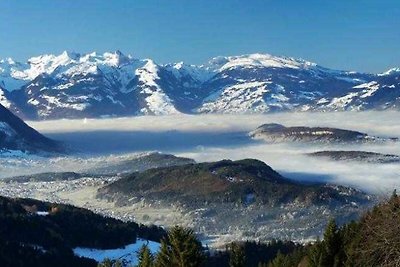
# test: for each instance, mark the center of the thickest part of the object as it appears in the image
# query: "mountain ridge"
(16, 135)
(73, 85)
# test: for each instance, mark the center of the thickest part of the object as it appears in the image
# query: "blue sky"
(362, 35)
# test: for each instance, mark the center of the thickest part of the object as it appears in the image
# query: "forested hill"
(245, 181)
(36, 233)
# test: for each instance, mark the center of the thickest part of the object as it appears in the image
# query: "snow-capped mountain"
(262, 83)
(383, 92)
(72, 85)
(15, 135)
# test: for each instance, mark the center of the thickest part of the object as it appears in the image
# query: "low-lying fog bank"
(375, 122)
(215, 137)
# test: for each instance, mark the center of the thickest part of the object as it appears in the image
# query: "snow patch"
(157, 102)
(238, 98)
(127, 253)
(3, 100)
(369, 89)
(390, 72)
(342, 102)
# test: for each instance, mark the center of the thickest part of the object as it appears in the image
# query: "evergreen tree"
(163, 256)
(110, 263)
(331, 253)
(145, 257)
(105, 263)
(350, 235)
(180, 249)
(279, 261)
(315, 255)
(237, 256)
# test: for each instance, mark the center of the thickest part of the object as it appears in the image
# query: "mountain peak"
(150, 65)
(119, 53)
(70, 55)
(178, 65)
(257, 60)
(116, 58)
(390, 72)
(8, 60)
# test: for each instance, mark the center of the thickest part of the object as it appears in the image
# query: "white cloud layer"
(384, 123)
(215, 137)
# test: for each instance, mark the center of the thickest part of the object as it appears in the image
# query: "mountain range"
(73, 85)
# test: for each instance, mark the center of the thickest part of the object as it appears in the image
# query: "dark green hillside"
(244, 181)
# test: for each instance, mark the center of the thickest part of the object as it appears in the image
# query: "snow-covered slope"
(3, 98)
(72, 85)
(156, 100)
(264, 83)
(383, 92)
(12, 74)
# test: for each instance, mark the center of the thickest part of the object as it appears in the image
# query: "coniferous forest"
(30, 240)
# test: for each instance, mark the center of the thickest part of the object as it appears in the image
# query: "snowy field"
(215, 137)
(127, 254)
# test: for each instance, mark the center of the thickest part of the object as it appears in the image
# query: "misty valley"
(214, 173)
(199, 133)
